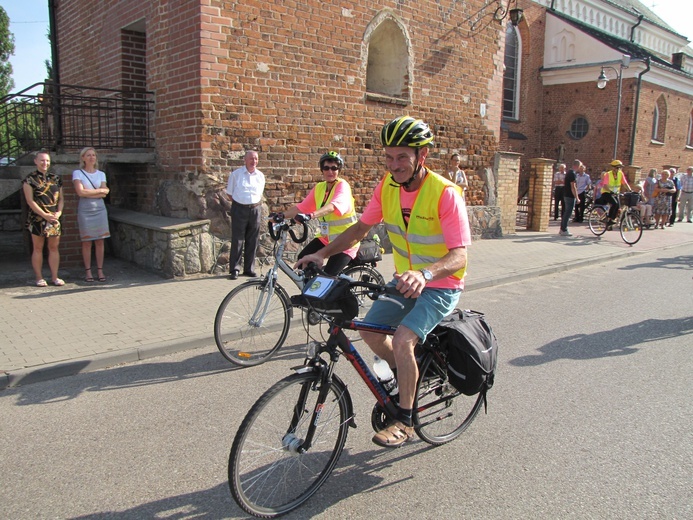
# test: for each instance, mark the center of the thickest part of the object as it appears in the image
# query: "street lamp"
(602, 80)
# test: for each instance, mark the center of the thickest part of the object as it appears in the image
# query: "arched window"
(659, 120)
(511, 76)
(689, 137)
(387, 72)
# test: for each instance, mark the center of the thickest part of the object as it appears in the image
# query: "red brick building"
(555, 110)
(291, 79)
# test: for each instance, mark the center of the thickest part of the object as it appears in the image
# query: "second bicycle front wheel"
(270, 471)
(251, 324)
(597, 220)
(631, 227)
(441, 413)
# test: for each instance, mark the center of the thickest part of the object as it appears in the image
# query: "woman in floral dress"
(662, 199)
(44, 196)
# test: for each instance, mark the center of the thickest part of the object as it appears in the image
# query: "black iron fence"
(66, 118)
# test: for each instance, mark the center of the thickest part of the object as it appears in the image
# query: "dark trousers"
(580, 207)
(245, 229)
(335, 264)
(558, 199)
(568, 203)
(609, 198)
(674, 206)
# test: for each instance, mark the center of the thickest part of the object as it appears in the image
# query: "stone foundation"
(170, 246)
(11, 220)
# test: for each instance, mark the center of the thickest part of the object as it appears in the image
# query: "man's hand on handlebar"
(410, 283)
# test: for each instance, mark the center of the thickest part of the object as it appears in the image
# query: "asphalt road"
(591, 417)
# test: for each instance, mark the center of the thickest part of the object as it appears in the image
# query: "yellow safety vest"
(334, 224)
(614, 185)
(421, 243)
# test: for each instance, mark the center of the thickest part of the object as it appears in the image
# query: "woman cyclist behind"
(332, 203)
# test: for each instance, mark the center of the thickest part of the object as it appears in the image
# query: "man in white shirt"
(245, 187)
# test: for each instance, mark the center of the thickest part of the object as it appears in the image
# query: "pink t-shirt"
(453, 219)
(342, 202)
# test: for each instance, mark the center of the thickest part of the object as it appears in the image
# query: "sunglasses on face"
(327, 168)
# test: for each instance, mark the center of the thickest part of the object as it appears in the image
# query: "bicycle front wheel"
(631, 227)
(441, 413)
(364, 273)
(597, 220)
(270, 472)
(251, 324)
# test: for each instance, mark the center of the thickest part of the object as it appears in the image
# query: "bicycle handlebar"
(276, 229)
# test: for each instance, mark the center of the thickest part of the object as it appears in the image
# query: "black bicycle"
(628, 219)
(252, 321)
(293, 436)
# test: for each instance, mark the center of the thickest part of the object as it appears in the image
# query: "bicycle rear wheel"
(441, 413)
(631, 227)
(269, 473)
(597, 220)
(364, 273)
(250, 324)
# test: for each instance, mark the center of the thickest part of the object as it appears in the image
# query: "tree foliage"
(6, 50)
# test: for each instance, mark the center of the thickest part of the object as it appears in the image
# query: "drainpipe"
(552, 2)
(635, 115)
(55, 64)
(632, 30)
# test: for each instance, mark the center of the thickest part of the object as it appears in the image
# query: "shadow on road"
(617, 342)
(355, 473)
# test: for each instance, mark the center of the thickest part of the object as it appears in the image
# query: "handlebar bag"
(331, 295)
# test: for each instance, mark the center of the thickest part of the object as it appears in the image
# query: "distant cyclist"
(331, 202)
(426, 220)
(611, 187)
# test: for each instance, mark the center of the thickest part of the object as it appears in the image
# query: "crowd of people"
(666, 197)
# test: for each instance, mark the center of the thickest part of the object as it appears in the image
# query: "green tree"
(6, 50)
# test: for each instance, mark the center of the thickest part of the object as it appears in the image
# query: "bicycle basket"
(631, 199)
(331, 295)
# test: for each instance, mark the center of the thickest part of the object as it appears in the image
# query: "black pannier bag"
(369, 251)
(472, 351)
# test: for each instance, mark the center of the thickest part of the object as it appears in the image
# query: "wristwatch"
(428, 275)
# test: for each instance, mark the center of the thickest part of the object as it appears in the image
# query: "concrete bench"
(173, 247)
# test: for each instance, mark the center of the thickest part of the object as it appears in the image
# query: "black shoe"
(252, 274)
(234, 275)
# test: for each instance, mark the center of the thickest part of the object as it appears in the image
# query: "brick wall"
(673, 151)
(228, 75)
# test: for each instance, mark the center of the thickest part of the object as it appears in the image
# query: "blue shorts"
(420, 314)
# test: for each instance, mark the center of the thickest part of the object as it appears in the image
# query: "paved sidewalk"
(55, 331)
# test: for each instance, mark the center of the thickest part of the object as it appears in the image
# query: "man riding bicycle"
(611, 186)
(426, 220)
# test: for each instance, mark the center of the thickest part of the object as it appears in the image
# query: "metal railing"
(66, 118)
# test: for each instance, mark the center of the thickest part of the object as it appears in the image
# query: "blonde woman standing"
(91, 187)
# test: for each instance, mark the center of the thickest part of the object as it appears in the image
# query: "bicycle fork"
(266, 291)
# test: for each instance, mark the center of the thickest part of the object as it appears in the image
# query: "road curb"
(29, 375)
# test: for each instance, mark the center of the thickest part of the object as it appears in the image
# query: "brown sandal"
(89, 278)
(394, 435)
